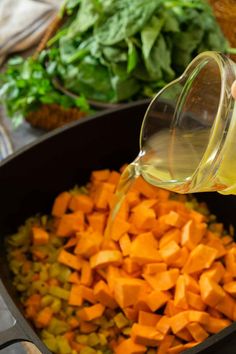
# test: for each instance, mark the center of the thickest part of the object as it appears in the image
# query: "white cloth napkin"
(23, 22)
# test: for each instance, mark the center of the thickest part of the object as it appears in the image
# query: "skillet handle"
(14, 328)
(11, 336)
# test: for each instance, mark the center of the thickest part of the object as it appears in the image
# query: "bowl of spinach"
(109, 52)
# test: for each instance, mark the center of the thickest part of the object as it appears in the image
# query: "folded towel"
(5, 147)
(23, 22)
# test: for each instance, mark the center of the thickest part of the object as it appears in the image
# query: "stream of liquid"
(167, 159)
(181, 160)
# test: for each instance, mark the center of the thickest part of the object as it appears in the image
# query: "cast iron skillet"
(30, 179)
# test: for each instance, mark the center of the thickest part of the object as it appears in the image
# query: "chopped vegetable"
(69, 259)
(40, 236)
(159, 289)
(91, 313)
(61, 204)
(112, 51)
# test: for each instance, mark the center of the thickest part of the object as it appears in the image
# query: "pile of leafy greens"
(113, 51)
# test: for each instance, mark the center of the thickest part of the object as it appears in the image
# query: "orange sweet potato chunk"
(128, 346)
(105, 258)
(40, 236)
(164, 325)
(75, 298)
(215, 325)
(69, 259)
(61, 204)
(146, 335)
(118, 228)
(144, 188)
(127, 290)
(88, 243)
(81, 202)
(100, 175)
(211, 292)
(148, 318)
(156, 299)
(198, 333)
(70, 223)
(170, 252)
(104, 295)
(200, 258)
(143, 217)
(192, 233)
(165, 344)
(91, 313)
(144, 249)
(163, 280)
(97, 221)
(180, 293)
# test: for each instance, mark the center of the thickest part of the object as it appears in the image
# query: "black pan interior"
(31, 179)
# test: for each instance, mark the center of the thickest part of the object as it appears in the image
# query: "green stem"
(231, 50)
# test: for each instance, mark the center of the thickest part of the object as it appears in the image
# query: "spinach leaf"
(171, 24)
(132, 56)
(124, 89)
(158, 62)
(115, 54)
(149, 34)
(89, 74)
(130, 19)
(86, 17)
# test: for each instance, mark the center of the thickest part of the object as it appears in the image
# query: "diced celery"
(59, 292)
(57, 241)
(44, 220)
(37, 266)
(19, 238)
(58, 326)
(54, 270)
(93, 339)
(121, 321)
(56, 305)
(41, 286)
(45, 334)
(82, 339)
(104, 323)
(64, 274)
(15, 266)
(79, 190)
(102, 339)
(26, 279)
(21, 287)
(51, 343)
(108, 351)
(88, 350)
(43, 275)
(52, 255)
(106, 332)
(47, 300)
(63, 345)
(126, 331)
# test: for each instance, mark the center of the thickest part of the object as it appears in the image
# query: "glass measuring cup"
(188, 136)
